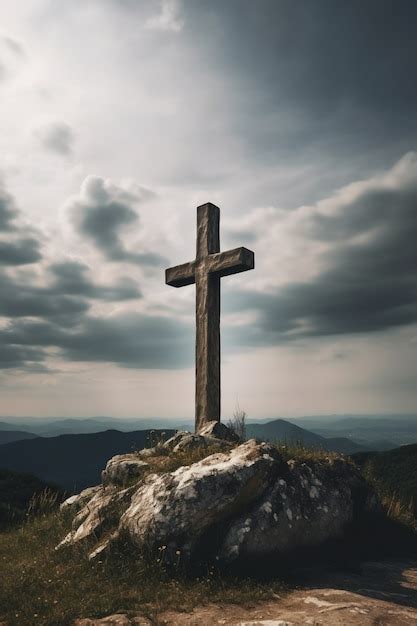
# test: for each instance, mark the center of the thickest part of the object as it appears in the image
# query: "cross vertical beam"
(207, 359)
(205, 271)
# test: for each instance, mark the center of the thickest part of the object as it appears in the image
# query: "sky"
(119, 117)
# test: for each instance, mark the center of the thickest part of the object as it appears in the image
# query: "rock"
(244, 503)
(218, 430)
(122, 469)
(175, 439)
(194, 442)
(175, 509)
(184, 441)
(100, 514)
(77, 502)
(190, 442)
(308, 504)
(119, 619)
(147, 452)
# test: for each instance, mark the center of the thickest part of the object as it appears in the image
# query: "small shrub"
(238, 423)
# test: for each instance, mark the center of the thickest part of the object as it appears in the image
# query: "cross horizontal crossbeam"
(221, 263)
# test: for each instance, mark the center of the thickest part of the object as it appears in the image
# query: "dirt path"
(381, 594)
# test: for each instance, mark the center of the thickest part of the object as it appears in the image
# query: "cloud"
(133, 340)
(14, 46)
(20, 357)
(102, 210)
(367, 274)
(169, 18)
(70, 277)
(11, 55)
(20, 252)
(21, 298)
(129, 340)
(64, 299)
(56, 137)
(8, 210)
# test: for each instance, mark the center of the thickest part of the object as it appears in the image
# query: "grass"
(20, 493)
(304, 454)
(39, 585)
(394, 476)
(171, 461)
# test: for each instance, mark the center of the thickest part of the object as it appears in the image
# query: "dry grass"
(172, 461)
(400, 511)
(39, 585)
(303, 454)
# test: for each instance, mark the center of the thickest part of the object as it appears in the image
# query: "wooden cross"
(207, 269)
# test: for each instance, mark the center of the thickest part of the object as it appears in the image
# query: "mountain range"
(72, 461)
(7, 436)
(384, 432)
(370, 431)
(75, 460)
(286, 432)
(52, 427)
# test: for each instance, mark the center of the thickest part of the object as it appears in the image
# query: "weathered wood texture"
(207, 269)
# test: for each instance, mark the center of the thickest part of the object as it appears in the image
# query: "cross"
(205, 271)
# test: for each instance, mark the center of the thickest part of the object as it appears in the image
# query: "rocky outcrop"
(242, 502)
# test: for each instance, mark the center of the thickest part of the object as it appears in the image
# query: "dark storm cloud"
(20, 298)
(133, 340)
(128, 340)
(57, 137)
(102, 212)
(71, 278)
(21, 357)
(324, 76)
(370, 278)
(62, 323)
(20, 252)
(66, 297)
(8, 210)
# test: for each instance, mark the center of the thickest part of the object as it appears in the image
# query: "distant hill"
(7, 436)
(71, 461)
(16, 492)
(344, 445)
(394, 472)
(283, 431)
(52, 427)
(388, 430)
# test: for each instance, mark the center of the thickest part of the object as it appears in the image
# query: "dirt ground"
(380, 594)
